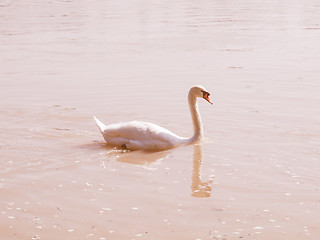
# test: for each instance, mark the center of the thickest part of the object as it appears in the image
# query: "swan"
(137, 135)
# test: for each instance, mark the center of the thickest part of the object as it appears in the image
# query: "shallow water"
(255, 176)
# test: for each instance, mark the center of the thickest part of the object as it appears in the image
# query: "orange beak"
(206, 97)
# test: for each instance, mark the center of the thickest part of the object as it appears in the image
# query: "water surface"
(256, 175)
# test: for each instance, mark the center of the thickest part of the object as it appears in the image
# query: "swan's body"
(148, 136)
(139, 135)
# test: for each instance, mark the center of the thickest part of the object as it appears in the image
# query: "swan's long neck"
(196, 119)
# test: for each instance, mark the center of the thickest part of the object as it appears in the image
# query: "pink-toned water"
(256, 176)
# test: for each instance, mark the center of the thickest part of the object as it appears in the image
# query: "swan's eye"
(205, 94)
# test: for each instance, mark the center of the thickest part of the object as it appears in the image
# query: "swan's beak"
(206, 97)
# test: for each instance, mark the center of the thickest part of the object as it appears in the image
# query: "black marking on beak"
(206, 96)
(205, 93)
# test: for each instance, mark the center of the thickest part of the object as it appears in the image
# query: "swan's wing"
(137, 130)
(140, 135)
(125, 130)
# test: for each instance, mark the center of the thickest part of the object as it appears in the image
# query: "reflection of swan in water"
(198, 187)
(150, 160)
(147, 160)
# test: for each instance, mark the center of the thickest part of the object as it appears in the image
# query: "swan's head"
(201, 92)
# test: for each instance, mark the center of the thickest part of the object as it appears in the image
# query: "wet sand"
(255, 176)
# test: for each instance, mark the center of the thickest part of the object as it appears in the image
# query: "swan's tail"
(100, 125)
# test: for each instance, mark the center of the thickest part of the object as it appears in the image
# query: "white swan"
(137, 135)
